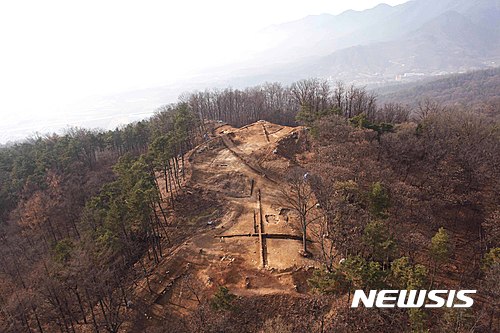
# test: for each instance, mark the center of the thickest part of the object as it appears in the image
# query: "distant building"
(413, 74)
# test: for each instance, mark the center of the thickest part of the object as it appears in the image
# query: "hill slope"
(478, 89)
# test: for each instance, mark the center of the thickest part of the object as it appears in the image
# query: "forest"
(409, 195)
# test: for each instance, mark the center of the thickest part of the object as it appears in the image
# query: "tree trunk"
(304, 237)
(80, 304)
(38, 321)
(165, 177)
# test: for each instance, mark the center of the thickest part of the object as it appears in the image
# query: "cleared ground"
(241, 236)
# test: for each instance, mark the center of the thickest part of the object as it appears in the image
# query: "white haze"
(55, 54)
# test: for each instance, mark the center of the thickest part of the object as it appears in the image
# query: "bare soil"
(229, 203)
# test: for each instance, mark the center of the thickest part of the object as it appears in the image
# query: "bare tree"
(393, 113)
(427, 107)
(325, 193)
(298, 196)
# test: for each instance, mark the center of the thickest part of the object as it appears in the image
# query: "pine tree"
(440, 249)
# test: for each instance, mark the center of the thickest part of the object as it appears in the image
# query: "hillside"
(252, 244)
(208, 217)
(248, 241)
(477, 90)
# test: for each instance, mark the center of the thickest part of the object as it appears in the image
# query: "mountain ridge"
(423, 36)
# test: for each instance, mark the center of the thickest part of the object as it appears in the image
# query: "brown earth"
(229, 206)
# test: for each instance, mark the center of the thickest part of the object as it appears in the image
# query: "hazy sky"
(54, 52)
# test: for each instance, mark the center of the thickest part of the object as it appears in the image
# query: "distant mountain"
(382, 44)
(322, 34)
(449, 42)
